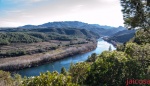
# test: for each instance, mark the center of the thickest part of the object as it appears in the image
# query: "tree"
(92, 58)
(136, 13)
(7, 80)
(109, 69)
(79, 72)
(49, 79)
(114, 68)
(63, 71)
(110, 48)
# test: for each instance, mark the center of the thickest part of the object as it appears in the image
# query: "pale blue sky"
(15, 13)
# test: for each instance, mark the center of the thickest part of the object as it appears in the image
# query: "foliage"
(108, 69)
(63, 71)
(79, 72)
(136, 13)
(49, 79)
(44, 34)
(15, 53)
(7, 80)
(114, 68)
(92, 58)
(120, 47)
(142, 37)
(17, 37)
(138, 52)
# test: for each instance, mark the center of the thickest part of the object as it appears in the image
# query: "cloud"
(103, 12)
(10, 24)
(34, 1)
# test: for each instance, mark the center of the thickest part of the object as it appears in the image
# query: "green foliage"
(142, 37)
(137, 69)
(40, 35)
(63, 71)
(17, 37)
(15, 53)
(44, 34)
(7, 80)
(136, 13)
(139, 52)
(79, 72)
(108, 69)
(4, 42)
(114, 68)
(49, 79)
(120, 47)
(92, 58)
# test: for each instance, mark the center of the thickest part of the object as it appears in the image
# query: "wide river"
(57, 65)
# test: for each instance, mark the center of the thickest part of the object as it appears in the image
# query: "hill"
(121, 36)
(19, 42)
(101, 30)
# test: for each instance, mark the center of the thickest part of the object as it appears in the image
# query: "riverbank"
(114, 43)
(26, 61)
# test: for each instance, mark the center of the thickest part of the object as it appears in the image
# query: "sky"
(14, 13)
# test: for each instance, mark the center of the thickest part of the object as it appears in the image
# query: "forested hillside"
(45, 34)
(19, 42)
(121, 36)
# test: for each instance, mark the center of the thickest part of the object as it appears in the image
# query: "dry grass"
(30, 60)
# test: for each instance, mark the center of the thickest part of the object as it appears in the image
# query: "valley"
(29, 46)
(23, 48)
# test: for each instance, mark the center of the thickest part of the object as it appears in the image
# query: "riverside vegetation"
(111, 68)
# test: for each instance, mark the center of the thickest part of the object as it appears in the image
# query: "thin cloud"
(103, 12)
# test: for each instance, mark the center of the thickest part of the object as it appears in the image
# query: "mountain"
(67, 31)
(122, 36)
(101, 30)
(44, 34)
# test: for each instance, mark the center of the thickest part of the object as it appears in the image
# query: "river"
(57, 65)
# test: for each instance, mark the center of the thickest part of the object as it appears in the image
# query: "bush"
(49, 79)
(7, 80)
(79, 72)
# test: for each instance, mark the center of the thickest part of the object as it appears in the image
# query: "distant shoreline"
(27, 61)
(112, 42)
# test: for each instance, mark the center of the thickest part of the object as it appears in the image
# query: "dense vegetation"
(45, 34)
(111, 68)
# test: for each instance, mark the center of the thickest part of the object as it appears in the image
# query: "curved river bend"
(57, 65)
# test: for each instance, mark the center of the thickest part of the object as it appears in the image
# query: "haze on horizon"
(15, 13)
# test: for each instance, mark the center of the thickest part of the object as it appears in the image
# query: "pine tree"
(136, 14)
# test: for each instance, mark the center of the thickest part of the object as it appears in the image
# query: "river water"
(57, 65)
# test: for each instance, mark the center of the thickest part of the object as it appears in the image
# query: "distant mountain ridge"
(121, 36)
(101, 30)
